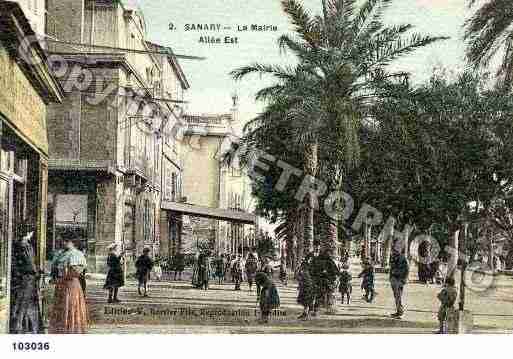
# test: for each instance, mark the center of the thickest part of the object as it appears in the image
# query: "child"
(269, 298)
(345, 287)
(447, 298)
(367, 276)
(143, 266)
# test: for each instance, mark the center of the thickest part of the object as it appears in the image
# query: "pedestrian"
(324, 272)
(306, 288)
(204, 272)
(178, 265)
(345, 286)
(220, 265)
(115, 275)
(237, 270)
(251, 269)
(399, 271)
(144, 264)
(69, 311)
(447, 298)
(367, 276)
(25, 311)
(269, 298)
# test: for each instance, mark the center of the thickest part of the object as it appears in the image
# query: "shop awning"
(209, 212)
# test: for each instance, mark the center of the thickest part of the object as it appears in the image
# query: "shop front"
(27, 87)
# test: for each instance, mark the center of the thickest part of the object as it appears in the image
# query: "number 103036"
(30, 346)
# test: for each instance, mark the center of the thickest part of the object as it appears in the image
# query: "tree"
(341, 56)
(489, 32)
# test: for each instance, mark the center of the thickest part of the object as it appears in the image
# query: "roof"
(210, 212)
(173, 61)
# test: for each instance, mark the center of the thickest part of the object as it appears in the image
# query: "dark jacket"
(269, 297)
(345, 281)
(115, 277)
(367, 276)
(399, 268)
(144, 265)
(324, 272)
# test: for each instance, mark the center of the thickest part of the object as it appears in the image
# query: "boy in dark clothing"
(447, 298)
(367, 276)
(143, 265)
(345, 286)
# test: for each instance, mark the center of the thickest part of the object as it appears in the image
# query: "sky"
(211, 85)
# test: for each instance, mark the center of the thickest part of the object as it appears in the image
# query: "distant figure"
(237, 270)
(220, 266)
(447, 298)
(269, 298)
(306, 288)
(399, 271)
(144, 264)
(367, 276)
(251, 269)
(178, 265)
(345, 286)
(115, 276)
(204, 270)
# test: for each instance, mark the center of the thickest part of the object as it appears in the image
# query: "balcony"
(140, 150)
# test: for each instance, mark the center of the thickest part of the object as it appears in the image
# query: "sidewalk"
(175, 307)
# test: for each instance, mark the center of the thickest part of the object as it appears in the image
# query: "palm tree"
(488, 32)
(341, 56)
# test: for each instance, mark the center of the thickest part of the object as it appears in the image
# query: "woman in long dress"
(69, 312)
(115, 276)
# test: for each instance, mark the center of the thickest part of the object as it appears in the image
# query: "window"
(173, 187)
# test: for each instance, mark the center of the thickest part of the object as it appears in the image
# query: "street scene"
(286, 167)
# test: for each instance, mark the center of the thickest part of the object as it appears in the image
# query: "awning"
(209, 212)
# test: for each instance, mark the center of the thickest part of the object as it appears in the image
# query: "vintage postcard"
(256, 167)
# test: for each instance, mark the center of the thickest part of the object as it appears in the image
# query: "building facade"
(106, 141)
(28, 88)
(210, 180)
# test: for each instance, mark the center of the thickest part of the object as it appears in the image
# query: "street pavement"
(176, 307)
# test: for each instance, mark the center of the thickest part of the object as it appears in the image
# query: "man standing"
(237, 271)
(399, 271)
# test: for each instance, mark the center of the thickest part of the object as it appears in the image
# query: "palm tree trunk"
(387, 246)
(452, 262)
(300, 243)
(328, 232)
(310, 170)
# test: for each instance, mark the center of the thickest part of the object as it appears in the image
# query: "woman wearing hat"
(69, 312)
(115, 277)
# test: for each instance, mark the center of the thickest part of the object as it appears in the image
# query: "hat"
(146, 250)
(112, 246)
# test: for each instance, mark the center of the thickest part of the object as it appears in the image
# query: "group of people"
(319, 277)
(116, 276)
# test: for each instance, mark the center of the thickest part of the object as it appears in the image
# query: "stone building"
(106, 140)
(174, 87)
(210, 181)
(27, 89)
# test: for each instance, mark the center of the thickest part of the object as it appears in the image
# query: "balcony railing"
(140, 148)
